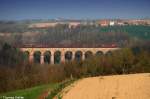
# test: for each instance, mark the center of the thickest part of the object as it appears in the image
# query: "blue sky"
(76, 9)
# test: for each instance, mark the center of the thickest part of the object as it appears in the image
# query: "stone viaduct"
(63, 52)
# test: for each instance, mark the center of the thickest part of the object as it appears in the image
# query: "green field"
(30, 93)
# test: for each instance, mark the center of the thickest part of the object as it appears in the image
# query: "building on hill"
(112, 23)
(104, 22)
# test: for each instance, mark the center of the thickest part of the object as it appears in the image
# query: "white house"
(111, 23)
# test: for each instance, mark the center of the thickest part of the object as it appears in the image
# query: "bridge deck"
(66, 46)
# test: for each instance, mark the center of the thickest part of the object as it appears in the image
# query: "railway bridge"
(49, 55)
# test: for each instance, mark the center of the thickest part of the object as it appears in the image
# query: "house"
(104, 22)
(112, 23)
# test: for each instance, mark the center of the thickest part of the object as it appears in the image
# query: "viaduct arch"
(65, 54)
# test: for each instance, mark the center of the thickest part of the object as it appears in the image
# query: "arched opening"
(26, 55)
(78, 56)
(99, 53)
(109, 53)
(57, 57)
(88, 54)
(47, 57)
(37, 57)
(68, 56)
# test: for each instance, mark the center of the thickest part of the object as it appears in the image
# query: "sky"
(73, 9)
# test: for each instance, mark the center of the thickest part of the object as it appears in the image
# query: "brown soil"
(133, 86)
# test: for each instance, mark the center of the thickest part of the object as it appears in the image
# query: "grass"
(29, 93)
(35, 92)
(59, 88)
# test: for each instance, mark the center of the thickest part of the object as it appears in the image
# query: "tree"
(10, 56)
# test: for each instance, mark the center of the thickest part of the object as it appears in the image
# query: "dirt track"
(135, 86)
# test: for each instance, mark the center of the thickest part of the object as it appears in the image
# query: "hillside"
(15, 32)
